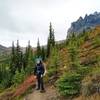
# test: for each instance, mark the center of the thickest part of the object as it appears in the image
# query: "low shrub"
(87, 87)
(5, 78)
(83, 71)
(51, 72)
(18, 77)
(91, 83)
(69, 84)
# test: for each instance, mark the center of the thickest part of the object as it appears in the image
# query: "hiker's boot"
(37, 88)
(42, 91)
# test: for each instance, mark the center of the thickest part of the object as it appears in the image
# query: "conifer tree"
(43, 53)
(38, 53)
(28, 56)
(25, 60)
(74, 53)
(18, 57)
(28, 59)
(30, 53)
(13, 59)
(48, 48)
(50, 31)
(51, 40)
(51, 35)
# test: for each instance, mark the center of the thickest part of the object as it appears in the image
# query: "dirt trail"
(21, 89)
(50, 94)
(25, 85)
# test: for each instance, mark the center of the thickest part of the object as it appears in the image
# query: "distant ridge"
(88, 22)
(7, 50)
(3, 48)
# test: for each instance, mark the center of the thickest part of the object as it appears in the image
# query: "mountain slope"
(89, 56)
(89, 52)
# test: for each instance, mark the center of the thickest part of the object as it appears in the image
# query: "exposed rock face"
(88, 22)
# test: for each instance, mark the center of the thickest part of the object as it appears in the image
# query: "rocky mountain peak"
(88, 22)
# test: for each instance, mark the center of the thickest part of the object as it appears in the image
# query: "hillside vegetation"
(80, 58)
(73, 66)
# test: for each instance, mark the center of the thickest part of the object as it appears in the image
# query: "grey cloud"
(29, 19)
(17, 15)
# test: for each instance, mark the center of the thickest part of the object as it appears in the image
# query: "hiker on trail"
(39, 72)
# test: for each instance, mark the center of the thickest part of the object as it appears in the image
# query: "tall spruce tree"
(30, 53)
(28, 59)
(73, 53)
(18, 57)
(43, 53)
(28, 56)
(13, 59)
(25, 60)
(50, 31)
(51, 40)
(48, 48)
(38, 53)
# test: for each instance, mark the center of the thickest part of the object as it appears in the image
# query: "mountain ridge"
(3, 48)
(88, 22)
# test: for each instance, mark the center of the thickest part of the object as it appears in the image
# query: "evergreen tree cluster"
(21, 62)
(19, 59)
(41, 51)
(44, 52)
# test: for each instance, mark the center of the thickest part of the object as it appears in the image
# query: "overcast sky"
(29, 19)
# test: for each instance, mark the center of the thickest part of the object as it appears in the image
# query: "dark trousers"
(40, 82)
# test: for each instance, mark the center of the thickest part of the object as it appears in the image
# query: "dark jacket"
(39, 69)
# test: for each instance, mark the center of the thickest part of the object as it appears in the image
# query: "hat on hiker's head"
(38, 60)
